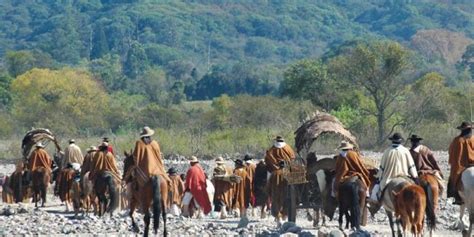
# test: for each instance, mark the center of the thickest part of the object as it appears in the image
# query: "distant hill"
(261, 35)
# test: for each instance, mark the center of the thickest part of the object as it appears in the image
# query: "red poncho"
(196, 184)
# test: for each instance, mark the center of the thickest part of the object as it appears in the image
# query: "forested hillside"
(147, 60)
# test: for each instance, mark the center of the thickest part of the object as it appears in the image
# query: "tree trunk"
(380, 126)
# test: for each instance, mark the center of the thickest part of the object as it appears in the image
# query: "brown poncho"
(275, 155)
(39, 158)
(277, 184)
(176, 190)
(224, 191)
(425, 162)
(88, 160)
(104, 161)
(250, 168)
(349, 166)
(242, 190)
(461, 155)
(148, 159)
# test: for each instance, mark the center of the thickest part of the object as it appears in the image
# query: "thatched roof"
(321, 123)
(37, 135)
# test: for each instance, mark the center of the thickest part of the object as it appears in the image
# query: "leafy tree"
(136, 62)
(309, 80)
(378, 68)
(109, 70)
(5, 94)
(100, 45)
(19, 62)
(67, 100)
(221, 107)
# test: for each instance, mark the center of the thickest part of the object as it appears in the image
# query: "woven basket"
(295, 174)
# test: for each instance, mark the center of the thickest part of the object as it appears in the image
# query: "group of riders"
(234, 188)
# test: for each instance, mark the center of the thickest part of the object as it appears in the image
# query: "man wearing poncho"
(425, 161)
(396, 161)
(88, 160)
(39, 158)
(242, 189)
(461, 156)
(177, 192)
(195, 187)
(275, 158)
(104, 161)
(72, 154)
(348, 165)
(250, 167)
(224, 191)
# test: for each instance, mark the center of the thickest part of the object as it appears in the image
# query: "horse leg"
(135, 227)
(341, 216)
(147, 222)
(165, 232)
(390, 221)
(316, 217)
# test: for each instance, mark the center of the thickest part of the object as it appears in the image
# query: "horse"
(260, 188)
(7, 192)
(152, 193)
(64, 182)
(87, 195)
(467, 195)
(352, 194)
(105, 184)
(20, 183)
(430, 185)
(388, 200)
(40, 178)
(410, 205)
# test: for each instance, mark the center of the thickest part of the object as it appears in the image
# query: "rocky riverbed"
(23, 219)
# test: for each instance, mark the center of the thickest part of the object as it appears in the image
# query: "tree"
(109, 70)
(136, 62)
(377, 68)
(309, 80)
(5, 94)
(100, 45)
(67, 101)
(19, 62)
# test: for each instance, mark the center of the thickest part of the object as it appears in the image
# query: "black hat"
(172, 170)
(279, 139)
(464, 125)
(105, 139)
(247, 157)
(239, 162)
(396, 137)
(415, 137)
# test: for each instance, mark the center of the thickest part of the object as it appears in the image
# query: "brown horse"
(87, 195)
(105, 188)
(152, 193)
(64, 182)
(410, 205)
(259, 188)
(430, 185)
(352, 202)
(40, 178)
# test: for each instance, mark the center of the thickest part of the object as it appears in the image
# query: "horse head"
(127, 164)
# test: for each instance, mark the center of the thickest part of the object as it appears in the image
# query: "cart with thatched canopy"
(42, 135)
(297, 171)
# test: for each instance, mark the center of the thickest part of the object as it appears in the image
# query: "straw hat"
(146, 132)
(104, 144)
(279, 139)
(91, 148)
(345, 145)
(220, 160)
(39, 144)
(72, 141)
(193, 159)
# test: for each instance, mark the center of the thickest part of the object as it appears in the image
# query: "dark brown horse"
(105, 188)
(40, 178)
(259, 188)
(151, 194)
(352, 202)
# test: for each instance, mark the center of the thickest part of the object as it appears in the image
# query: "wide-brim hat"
(193, 159)
(220, 160)
(39, 144)
(279, 139)
(247, 157)
(345, 145)
(91, 148)
(396, 137)
(72, 141)
(104, 144)
(105, 139)
(415, 137)
(147, 132)
(464, 125)
(239, 162)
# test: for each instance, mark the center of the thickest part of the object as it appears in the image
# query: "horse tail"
(113, 193)
(430, 212)
(355, 186)
(155, 180)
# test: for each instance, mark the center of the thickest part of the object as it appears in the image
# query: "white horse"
(467, 195)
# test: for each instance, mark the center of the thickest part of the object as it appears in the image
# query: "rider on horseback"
(396, 161)
(425, 161)
(223, 187)
(348, 165)
(39, 158)
(461, 156)
(103, 161)
(72, 154)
